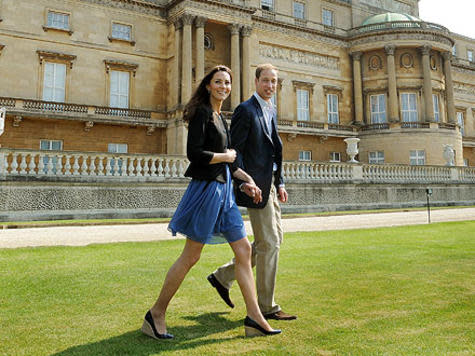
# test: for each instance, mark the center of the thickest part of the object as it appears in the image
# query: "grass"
(388, 291)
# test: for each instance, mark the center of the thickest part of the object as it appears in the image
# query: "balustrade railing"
(53, 106)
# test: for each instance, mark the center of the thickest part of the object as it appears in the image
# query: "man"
(258, 146)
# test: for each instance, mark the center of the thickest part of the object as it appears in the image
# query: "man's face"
(266, 84)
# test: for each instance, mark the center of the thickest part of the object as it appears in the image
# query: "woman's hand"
(230, 156)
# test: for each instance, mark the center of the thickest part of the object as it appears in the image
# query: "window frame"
(303, 113)
(409, 111)
(112, 38)
(266, 7)
(333, 154)
(55, 86)
(54, 57)
(49, 26)
(307, 86)
(377, 159)
(415, 155)
(304, 10)
(118, 92)
(470, 56)
(378, 114)
(121, 66)
(331, 113)
(461, 114)
(325, 10)
(436, 103)
(302, 155)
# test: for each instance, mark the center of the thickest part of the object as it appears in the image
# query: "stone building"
(113, 75)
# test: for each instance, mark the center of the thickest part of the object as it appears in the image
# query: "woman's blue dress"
(208, 213)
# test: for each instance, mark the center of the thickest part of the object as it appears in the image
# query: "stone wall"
(25, 201)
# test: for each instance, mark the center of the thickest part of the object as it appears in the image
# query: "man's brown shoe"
(280, 315)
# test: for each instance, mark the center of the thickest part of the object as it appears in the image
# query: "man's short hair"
(262, 67)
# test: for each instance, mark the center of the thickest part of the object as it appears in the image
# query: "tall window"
(460, 121)
(54, 83)
(119, 89)
(409, 107)
(299, 10)
(121, 32)
(470, 55)
(305, 155)
(417, 157)
(267, 5)
(58, 20)
(435, 100)
(332, 108)
(302, 105)
(378, 108)
(376, 157)
(328, 17)
(454, 51)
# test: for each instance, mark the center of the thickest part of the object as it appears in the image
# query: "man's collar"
(263, 103)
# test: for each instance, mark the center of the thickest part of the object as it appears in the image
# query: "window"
(470, 55)
(376, 157)
(378, 108)
(58, 20)
(302, 105)
(335, 157)
(465, 162)
(119, 89)
(117, 148)
(54, 83)
(417, 158)
(327, 18)
(121, 32)
(299, 10)
(454, 51)
(435, 100)
(50, 145)
(460, 121)
(305, 155)
(332, 108)
(409, 107)
(267, 5)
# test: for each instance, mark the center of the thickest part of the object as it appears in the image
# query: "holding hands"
(252, 190)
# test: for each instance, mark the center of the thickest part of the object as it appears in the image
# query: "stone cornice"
(57, 56)
(339, 2)
(142, 6)
(398, 35)
(223, 4)
(122, 65)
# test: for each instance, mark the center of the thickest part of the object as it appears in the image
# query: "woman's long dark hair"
(201, 96)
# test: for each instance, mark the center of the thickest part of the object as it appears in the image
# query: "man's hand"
(283, 196)
(253, 191)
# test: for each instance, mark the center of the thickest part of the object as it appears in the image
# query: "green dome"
(389, 17)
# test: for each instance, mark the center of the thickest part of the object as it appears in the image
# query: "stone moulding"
(116, 64)
(56, 56)
(146, 7)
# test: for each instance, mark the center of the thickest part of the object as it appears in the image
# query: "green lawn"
(389, 291)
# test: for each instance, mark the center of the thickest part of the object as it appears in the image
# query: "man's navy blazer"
(256, 149)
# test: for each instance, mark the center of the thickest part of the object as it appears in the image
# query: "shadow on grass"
(137, 344)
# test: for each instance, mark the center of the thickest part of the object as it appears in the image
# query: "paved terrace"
(85, 235)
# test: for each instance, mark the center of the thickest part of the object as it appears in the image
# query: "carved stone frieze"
(69, 58)
(146, 7)
(296, 56)
(395, 36)
(375, 62)
(121, 65)
(465, 89)
(88, 125)
(212, 7)
(16, 121)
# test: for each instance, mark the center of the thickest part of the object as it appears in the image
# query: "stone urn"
(449, 155)
(352, 148)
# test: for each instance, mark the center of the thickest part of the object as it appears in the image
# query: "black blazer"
(256, 150)
(205, 139)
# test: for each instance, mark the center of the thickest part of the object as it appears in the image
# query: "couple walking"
(250, 152)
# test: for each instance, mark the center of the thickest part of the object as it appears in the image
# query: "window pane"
(54, 82)
(267, 4)
(327, 17)
(299, 11)
(121, 31)
(119, 89)
(435, 100)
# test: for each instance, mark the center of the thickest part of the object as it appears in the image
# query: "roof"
(389, 17)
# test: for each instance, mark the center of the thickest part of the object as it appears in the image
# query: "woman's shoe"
(254, 329)
(148, 328)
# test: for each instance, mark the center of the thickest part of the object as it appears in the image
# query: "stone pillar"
(449, 88)
(358, 88)
(200, 50)
(186, 66)
(428, 102)
(235, 66)
(246, 63)
(175, 79)
(392, 84)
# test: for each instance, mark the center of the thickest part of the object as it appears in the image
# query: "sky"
(457, 15)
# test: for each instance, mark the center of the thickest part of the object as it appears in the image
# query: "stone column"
(186, 66)
(235, 66)
(449, 87)
(246, 63)
(358, 88)
(200, 50)
(392, 84)
(428, 103)
(176, 87)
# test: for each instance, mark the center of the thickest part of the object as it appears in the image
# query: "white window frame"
(118, 93)
(267, 5)
(303, 104)
(465, 162)
(454, 51)
(328, 17)
(378, 115)
(54, 90)
(409, 114)
(461, 122)
(470, 55)
(297, 14)
(435, 101)
(333, 115)
(55, 19)
(117, 32)
(305, 156)
(417, 157)
(376, 157)
(335, 157)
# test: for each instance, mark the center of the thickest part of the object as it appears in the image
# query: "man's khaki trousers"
(268, 236)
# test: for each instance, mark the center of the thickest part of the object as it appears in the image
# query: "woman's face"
(220, 86)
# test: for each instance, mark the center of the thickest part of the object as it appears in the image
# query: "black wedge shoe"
(254, 329)
(148, 328)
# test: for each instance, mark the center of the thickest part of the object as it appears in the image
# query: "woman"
(207, 212)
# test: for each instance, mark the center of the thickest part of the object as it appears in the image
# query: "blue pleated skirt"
(208, 213)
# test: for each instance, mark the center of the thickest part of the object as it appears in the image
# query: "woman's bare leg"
(175, 276)
(242, 252)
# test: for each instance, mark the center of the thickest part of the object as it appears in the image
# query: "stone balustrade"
(406, 25)
(96, 166)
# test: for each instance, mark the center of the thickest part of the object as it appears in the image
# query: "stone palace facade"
(113, 75)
